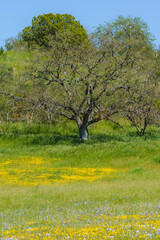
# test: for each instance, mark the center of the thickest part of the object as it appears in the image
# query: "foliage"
(1, 51)
(5, 72)
(14, 42)
(81, 82)
(138, 93)
(131, 32)
(47, 25)
(140, 107)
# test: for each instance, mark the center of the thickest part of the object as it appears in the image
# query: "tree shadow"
(74, 140)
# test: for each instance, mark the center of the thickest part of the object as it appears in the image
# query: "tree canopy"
(47, 25)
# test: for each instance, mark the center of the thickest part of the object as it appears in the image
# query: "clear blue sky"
(17, 14)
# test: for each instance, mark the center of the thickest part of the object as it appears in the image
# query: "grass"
(54, 186)
(17, 59)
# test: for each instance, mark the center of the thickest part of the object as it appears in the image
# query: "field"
(54, 186)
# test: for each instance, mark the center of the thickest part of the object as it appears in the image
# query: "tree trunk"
(83, 132)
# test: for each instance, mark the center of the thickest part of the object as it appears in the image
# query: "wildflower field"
(57, 187)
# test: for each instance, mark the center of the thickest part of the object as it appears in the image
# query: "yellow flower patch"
(99, 227)
(33, 171)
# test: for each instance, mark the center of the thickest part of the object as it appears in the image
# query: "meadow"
(55, 186)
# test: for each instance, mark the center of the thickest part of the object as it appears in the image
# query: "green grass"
(133, 190)
(17, 59)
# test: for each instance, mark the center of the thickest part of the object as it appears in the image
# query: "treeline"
(112, 73)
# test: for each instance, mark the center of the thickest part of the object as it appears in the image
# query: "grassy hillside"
(54, 186)
(17, 59)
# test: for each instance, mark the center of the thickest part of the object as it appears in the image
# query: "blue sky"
(17, 14)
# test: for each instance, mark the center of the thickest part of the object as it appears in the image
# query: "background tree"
(137, 94)
(14, 43)
(139, 101)
(47, 25)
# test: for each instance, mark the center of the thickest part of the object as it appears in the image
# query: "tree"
(47, 25)
(81, 82)
(142, 95)
(140, 102)
(142, 110)
(1, 51)
(138, 94)
(13, 43)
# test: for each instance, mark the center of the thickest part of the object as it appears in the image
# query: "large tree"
(47, 25)
(80, 81)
